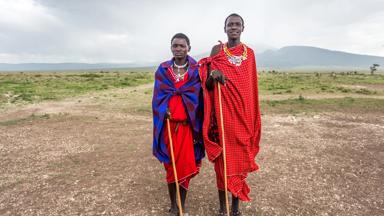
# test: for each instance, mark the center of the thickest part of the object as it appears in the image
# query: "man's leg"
(235, 206)
(223, 209)
(183, 196)
(219, 167)
(172, 197)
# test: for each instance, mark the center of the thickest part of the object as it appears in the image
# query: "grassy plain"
(31, 87)
(279, 92)
(79, 143)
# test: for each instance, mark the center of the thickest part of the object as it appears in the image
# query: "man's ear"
(189, 48)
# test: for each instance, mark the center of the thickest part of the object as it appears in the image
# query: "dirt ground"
(91, 155)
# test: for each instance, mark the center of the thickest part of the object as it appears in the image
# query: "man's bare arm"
(210, 80)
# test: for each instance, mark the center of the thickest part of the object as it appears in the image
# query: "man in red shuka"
(232, 64)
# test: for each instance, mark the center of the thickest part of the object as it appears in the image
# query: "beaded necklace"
(178, 77)
(236, 60)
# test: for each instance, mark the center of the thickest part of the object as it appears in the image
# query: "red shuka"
(241, 119)
(182, 140)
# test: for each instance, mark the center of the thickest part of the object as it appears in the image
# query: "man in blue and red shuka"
(177, 96)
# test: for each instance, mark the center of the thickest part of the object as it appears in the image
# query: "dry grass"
(92, 156)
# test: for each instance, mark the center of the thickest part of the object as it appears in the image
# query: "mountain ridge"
(286, 57)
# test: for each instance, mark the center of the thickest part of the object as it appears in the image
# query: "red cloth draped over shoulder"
(241, 118)
(182, 140)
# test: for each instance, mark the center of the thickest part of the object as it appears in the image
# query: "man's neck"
(180, 61)
(233, 42)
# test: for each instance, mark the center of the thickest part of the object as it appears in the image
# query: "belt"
(184, 122)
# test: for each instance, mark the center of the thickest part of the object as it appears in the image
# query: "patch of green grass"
(35, 87)
(365, 91)
(279, 83)
(303, 105)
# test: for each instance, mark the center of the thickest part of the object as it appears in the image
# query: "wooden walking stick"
(224, 154)
(174, 169)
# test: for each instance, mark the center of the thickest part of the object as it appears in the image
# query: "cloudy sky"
(128, 31)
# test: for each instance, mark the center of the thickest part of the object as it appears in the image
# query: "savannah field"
(79, 143)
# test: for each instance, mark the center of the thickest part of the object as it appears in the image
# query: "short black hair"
(181, 36)
(233, 15)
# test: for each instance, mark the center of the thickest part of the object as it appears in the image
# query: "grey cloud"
(125, 31)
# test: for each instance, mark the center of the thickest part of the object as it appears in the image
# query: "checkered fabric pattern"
(241, 118)
(191, 95)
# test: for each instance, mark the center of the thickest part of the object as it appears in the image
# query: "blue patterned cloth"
(192, 98)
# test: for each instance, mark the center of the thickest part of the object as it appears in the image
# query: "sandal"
(172, 212)
(236, 213)
(222, 213)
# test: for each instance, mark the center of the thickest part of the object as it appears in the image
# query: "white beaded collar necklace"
(179, 76)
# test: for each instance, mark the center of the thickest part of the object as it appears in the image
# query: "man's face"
(234, 27)
(179, 48)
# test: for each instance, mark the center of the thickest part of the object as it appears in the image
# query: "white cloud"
(25, 14)
(129, 31)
